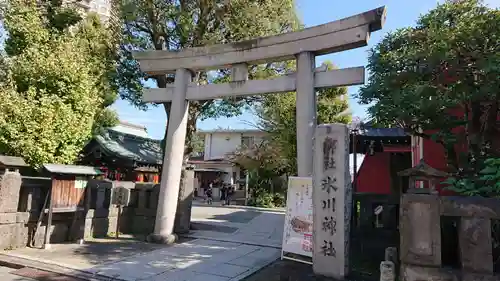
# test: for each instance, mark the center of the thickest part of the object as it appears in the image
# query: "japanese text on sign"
(329, 146)
(297, 235)
(329, 204)
(328, 250)
(120, 196)
(331, 201)
(330, 225)
(329, 185)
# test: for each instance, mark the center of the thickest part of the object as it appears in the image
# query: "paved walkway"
(229, 244)
(238, 224)
(6, 275)
(202, 260)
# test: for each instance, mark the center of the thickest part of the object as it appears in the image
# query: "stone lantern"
(422, 173)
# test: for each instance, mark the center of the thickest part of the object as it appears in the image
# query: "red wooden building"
(434, 154)
(386, 152)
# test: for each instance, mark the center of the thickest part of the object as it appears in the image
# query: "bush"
(279, 200)
(267, 200)
(262, 200)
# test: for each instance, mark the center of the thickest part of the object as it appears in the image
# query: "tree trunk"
(162, 82)
(491, 129)
(474, 135)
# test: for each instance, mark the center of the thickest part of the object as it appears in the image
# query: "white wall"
(219, 144)
(228, 168)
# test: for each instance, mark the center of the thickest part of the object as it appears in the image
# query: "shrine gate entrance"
(303, 46)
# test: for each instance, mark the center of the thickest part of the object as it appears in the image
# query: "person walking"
(209, 194)
(229, 193)
(223, 193)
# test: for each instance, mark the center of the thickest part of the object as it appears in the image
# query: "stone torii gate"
(304, 45)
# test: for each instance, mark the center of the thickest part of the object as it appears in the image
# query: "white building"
(222, 142)
(219, 144)
(100, 7)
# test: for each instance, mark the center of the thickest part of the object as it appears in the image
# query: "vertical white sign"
(80, 182)
(332, 199)
(297, 232)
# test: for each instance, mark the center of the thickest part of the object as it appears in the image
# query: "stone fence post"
(12, 223)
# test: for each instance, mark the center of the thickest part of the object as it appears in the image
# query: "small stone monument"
(387, 271)
(332, 200)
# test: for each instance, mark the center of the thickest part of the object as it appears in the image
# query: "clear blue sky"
(400, 13)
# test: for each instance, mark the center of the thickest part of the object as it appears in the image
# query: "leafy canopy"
(269, 161)
(175, 25)
(56, 81)
(440, 75)
(277, 117)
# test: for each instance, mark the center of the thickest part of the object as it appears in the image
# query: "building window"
(247, 141)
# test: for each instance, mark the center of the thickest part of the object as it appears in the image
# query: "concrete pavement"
(228, 244)
(194, 260)
(6, 275)
(250, 226)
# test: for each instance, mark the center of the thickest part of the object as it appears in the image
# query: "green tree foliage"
(277, 117)
(56, 83)
(266, 166)
(440, 75)
(487, 182)
(198, 142)
(175, 25)
(270, 162)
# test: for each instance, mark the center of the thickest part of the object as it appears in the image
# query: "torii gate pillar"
(306, 113)
(173, 160)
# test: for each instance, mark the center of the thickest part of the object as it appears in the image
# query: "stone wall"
(12, 232)
(420, 229)
(22, 199)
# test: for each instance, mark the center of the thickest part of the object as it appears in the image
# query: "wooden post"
(354, 160)
(117, 234)
(40, 218)
(46, 239)
(247, 178)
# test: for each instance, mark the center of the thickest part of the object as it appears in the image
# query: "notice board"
(297, 232)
